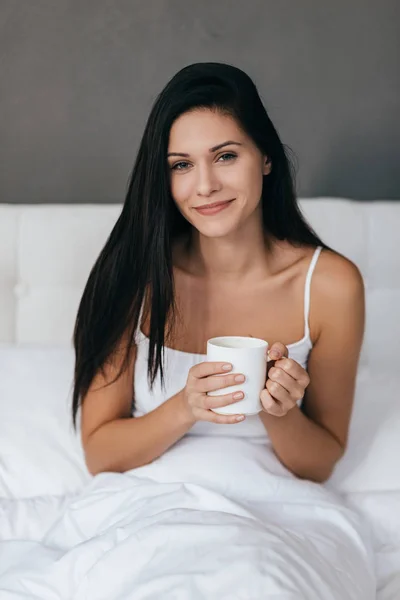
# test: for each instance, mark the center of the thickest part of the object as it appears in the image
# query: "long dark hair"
(136, 263)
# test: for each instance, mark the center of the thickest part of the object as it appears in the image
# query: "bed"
(46, 252)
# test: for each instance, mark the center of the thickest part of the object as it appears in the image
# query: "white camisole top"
(177, 364)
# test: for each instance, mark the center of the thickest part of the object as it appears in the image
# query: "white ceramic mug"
(247, 355)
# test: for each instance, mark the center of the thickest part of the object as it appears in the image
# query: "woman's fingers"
(272, 406)
(277, 350)
(292, 368)
(209, 402)
(218, 382)
(206, 368)
(209, 377)
(283, 386)
(212, 417)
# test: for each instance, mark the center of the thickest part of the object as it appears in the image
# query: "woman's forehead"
(201, 131)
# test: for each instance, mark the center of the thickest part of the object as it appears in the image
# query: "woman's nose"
(207, 182)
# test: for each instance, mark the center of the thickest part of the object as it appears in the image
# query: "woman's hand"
(286, 382)
(206, 377)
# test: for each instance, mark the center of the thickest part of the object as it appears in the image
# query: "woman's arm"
(111, 438)
(310, 441)
(127, 443)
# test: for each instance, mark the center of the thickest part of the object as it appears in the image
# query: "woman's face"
(205, 175)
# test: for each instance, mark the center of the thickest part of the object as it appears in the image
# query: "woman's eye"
(175, 167)
(227, 154)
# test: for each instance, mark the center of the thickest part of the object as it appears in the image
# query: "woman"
(250, 266)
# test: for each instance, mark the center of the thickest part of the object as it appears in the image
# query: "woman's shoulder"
(336, 275)
(337, 289)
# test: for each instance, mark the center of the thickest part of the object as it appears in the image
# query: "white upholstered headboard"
(47, 251)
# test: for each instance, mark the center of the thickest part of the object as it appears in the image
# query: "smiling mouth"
(214, 204)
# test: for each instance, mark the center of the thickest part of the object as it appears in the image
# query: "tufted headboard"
(47, 251)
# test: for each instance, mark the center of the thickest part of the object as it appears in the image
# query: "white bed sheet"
(27, 520)
(42, 469)
(162, 530)
(382, 512)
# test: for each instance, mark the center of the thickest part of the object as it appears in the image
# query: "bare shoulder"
(337, 294)
(337, 277)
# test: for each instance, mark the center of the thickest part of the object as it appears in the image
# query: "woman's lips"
(214, 209)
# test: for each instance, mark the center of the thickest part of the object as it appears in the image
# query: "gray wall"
(78, 79)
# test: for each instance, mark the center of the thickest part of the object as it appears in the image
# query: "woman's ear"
(267, 166)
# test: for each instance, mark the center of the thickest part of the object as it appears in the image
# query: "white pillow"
(39, 450)
(371, 460)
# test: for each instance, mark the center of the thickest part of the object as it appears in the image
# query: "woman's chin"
(216, 231)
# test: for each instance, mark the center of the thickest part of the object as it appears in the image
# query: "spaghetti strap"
(138, 334)
(310, 271)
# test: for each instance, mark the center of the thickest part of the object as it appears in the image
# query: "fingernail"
(274, 354)
(227, 367)
(241, 418)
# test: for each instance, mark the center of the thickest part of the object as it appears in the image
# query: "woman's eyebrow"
(213, 149)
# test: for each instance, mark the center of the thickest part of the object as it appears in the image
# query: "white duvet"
(213, 518)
